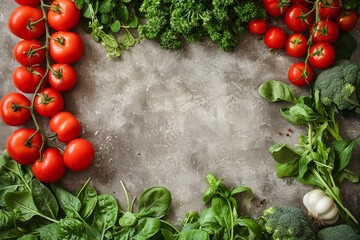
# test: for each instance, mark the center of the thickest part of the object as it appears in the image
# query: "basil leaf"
(299, 114)
(194, 234)
(115, 26)
(275, 91)
(344, 151)
(253, 227)
(346, 174)
(290, 169)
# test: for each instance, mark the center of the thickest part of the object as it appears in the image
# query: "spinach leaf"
(275, 91)
(43, 198)
(194, 234)
(146, 228)
(23, 203)
(208, 221)
(6, 219)
(299, 114)
(49, 232)
(290, 169)
(8, 183)
(344, 151)
(155, 202)
(88, 199)
(105, 213)
(252, 226)
(70, 204)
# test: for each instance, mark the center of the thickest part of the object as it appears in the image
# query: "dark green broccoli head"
(339, 85)
(342, 231)
(285, 222)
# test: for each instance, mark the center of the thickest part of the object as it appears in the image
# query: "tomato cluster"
(45, 52)
(312, 27)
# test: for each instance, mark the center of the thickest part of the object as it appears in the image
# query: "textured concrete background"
(168, 118)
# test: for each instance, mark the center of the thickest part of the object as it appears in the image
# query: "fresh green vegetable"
(339, 86)
(221, 218)
(321, 157)
(113, 23)
(288, 223)
(342, 231)
(173, 22)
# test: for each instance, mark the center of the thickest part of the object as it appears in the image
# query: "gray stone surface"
(168, 118)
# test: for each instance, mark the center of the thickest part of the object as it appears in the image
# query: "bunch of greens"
(171, 22)
(221, 219)
(321, 157)
(30, 210)
(113, 23)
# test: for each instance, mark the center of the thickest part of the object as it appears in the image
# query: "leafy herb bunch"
(173, 22)
(321, 157)
(113, 23)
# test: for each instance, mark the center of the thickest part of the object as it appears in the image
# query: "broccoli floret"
(287, 223)
(342, 231)
(339, 86)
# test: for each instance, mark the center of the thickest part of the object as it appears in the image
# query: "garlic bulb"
(321, 207)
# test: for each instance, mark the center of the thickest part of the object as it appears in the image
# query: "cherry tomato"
(347, 20)
(48, 102)
(78, 154)
(66, 126)
(62, 77)
(300, 74)
(275, 8)
(296, 45)
(322, 55)
(63, 15)
(50, 168)
(303, 2)
(258, 26)
(65, 47)
(23, 145)
(27, 52)
(13, 109)
(25, 22)
(28, 2)
(26, 79)
(297, 18)
(329, 9)
(325, 31)
(275, 38)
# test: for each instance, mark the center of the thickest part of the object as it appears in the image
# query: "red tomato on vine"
(29, 52)
(23, 145)
(14, 109)
(78, 154)
(65, 47)
(63, 15)
(26, 79)
(322, 55)
(62, 77)
(347, 20)
(296, 45)
(66, 126)
(258, 26)
(28, 2)
(48, 102)
(275, 38)
(329, 9)
(297, 18)
(325, 31)
(50, 168)
(27, 22)
(275, 8)
(300, 74)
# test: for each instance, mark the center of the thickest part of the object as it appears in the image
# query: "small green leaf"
(127, 40)
(282, 153)
(108, 40)
(44, 200)
(194, 234)
(133, 21)
(155, 202)
(253, 227)
(242, 189)
(115, 26)
(299, 114)
(123, 12)
(290, 169)
(22, 203)
(68, 202)
(344, 151)
(106, 6)
(126, 1)
(275, 91)
(79, 4)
